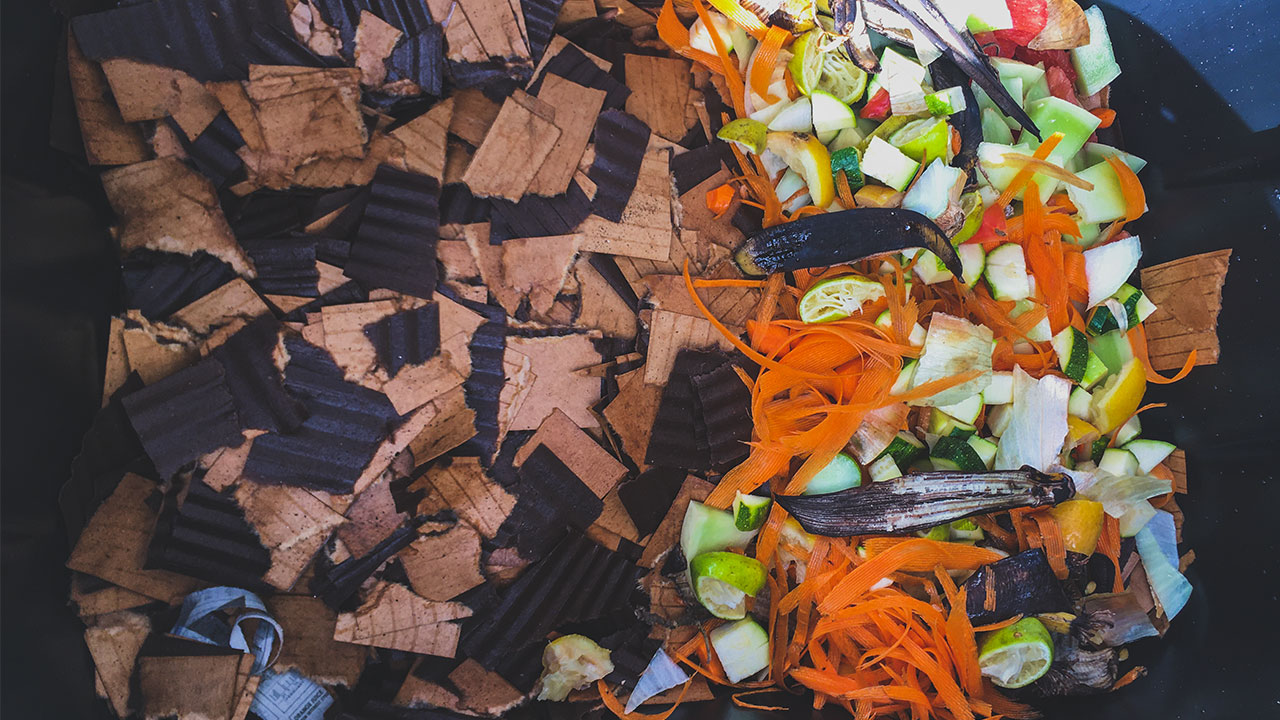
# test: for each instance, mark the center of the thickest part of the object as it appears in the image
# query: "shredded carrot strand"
(1106, 115)
(1138, 342)
(1024, 175)
(617, 708)
(676, 36)
(1135, 198)
(745, 19)
(765, 61)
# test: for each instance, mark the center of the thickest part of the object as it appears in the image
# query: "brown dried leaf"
(668, 532)
(292, 524)
(113, 545)
(576, 108)
(1065, 28)
(442, 567)
(659, 93)
(464, 487)
(308, 626)
(646, 230)
(108, 139)
(395, 617)
(484, 691)
(538, 267)
(165, 205)
(375, 39)
(672, 332)
(555, 385)
(199, 687)
(1188, 297)
(631, 413)
(597, 469)
(513, 150)
(425, 139)
(114, 641)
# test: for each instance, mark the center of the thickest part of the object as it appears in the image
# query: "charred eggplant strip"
(842, 237)
(851, 24)
(922, 500)
(958, 47)
(967, 122)
(1023, 583)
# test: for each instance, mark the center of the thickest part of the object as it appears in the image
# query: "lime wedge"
(806, 61)
(971, 205)
(750, 511)
(927, 136)
(838, 298)
(749, 135)
(808, 157)
(1017, 655)
(722, 582)
(841, 77)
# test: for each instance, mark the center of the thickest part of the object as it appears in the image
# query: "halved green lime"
(1017, 655)
(806, 61)
(838, 298)
(971, 205)
(722, 582)
(749, 135)
(927, 136)
(841, 77)
(750, 511)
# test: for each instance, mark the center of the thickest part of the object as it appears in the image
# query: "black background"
(1199, 99)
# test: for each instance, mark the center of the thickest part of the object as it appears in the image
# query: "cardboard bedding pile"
(407, 379)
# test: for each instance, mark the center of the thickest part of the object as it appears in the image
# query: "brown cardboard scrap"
(1188, 297)
(101, 601)
(235, 300)
(153, 358)
(573, 11)
(488, 260)
(344, 336)
(292, 524)
(371, 518)
(668, 532)
(659, 93)
(672, 332)
(395, 617)
(629, 14)
(286, 303)
(538, 267)
(614, 523)
(331, 277)
(513, 150)
(454, 424)
(597, 469)
(113, 545)
(313, 31)
(473, 115)
(464, 486)
(309, 646)
(552, 362)
(246, 688)
(457, 158)
(695, 215)
(484, 691)
(425, 139)
(404, 435)
(631, 413)
(441, 567)
(199, 687)
(375, 39)
(416, 385)
(165, 205)
(576, 108)
(646, 230)
(459, 264)
(1177, 464)
(504, 565)
(416, 692)
(322, 172)
(108, 139)
(224, 466)
(496, 26)
(732, 306)
(117, 363)
(600, 306)
(517, 368)
(114, 641)
(150, 92)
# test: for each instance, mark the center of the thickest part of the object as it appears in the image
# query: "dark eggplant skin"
(841, 237)
(851, 22)
(1024, 584)
(967, 122)
(918, 501)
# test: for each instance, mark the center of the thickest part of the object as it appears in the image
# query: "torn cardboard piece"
(1188, 297)
(597, 469)
(512, 152)
(552, 361)
(395, 617)
(114, 641)
(630, 414)
(309, 646)
(292, 524)
(425, 139)
(538, 268)
(108, 138)
(659, 93)
(441, 567)
(645, 230)
(672, 332)
(576, 108)
(464, 486)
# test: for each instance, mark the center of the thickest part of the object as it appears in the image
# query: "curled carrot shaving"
(745, 19)
(998, 625)
(1109, 547)
(1106, 115)
(1135, 198)
(727, 67)
(844, 192)
(1138, 342)
(719, 199)
(765, 61)
(1023, 176)
(617, 708)
(728, 282)
(676, 36)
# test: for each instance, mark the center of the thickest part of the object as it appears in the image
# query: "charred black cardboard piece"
(184, 416)
(395, 245)
(620, 142)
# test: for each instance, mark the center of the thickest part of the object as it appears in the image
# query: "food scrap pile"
(480, 353)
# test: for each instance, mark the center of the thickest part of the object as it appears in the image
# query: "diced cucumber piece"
(767, 113)
(1118, 461)
(1094, 153)
(1000, 391)
(1105, 202)
(742, 647)
(985, 449)
(1027, 74)
(953, 453)
(1143, 307)
(1107, 267)
(1053, 114)
(1073, 352)
(848, 138)
(1041, 332)
(1089, 232)
(841, 473)
(929, 267)
(966, 529)
(1102, 319)
(883, 469)
(973, 260)
(998, 417)
(931, 194)
(750, 511)
(1113, 349)
(1013, 85)
(795, 117)
(915, 337)
(1136, 305)
(1006, 273)
(1129, 431)
(994, 128)
(1099, 446)
(887, 164)
(830, 116)
(905, 377)
(944, 425)
(1078, 403)
(966, 411)
(945, 102)
(1095, 61)
(1036, 90)
(994, 169)
(904, 449)
(1149, 453)
(1094, 371)
(707, 529)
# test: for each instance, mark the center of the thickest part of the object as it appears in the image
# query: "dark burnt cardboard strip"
(537, 216)
(679, 437)
(420, 58)
(495, 76)
(335, 584)
(254, 381)
(208, 39)
(205, 535)
(550, 498)
(572, 64)
(277, 46)
(459, 207)
(264, 213)
(620, 142)
(159, 283)
(484, 386)
(395, 245)
(648, 497)
(549, 595)
(214, 149)
(110, 449)
(185, 416)
(331, 448)
(286, 266)
(410, 337)
(540, 22)
(724, 404)
(691, 168)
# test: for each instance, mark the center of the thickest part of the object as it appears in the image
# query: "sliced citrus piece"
(808, 157)
(838, 298)
(1017, 655)
(841, 77)
(926, 136)
(971, 205)
(749, 135)
(806, 61)
(722, 582)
